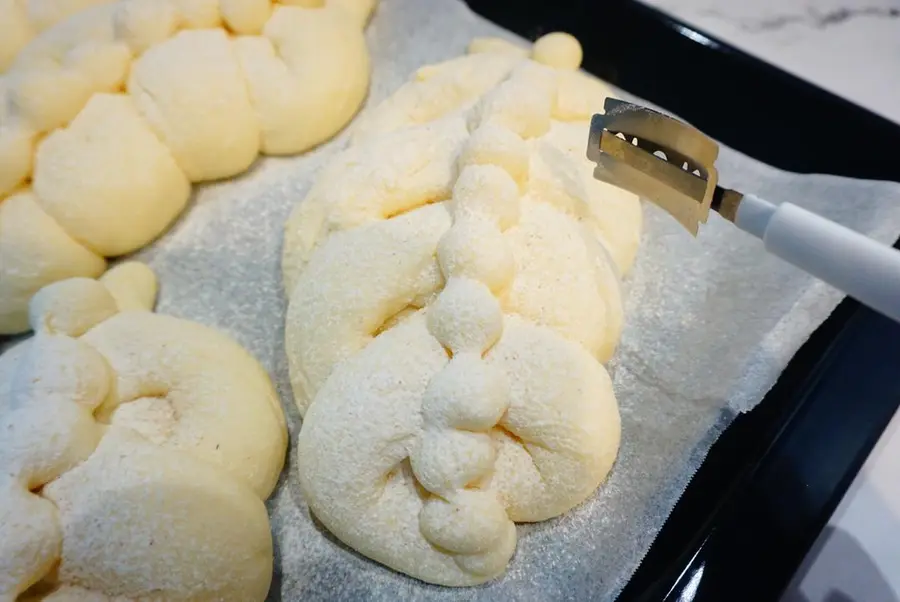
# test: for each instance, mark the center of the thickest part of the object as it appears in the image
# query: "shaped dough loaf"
(109, 116)
(23, 19)
(453, 283)
(137, 451)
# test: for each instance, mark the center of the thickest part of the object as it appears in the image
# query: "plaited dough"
(15, 31)
(35, 251)
(291, 113)
(111, 110)
(23, 19)
(171, 84)
(453, 283)
(108, 155)
(132, 284)
(221, 526)
(138, 450)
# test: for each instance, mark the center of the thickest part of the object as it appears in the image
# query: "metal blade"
(656, 157)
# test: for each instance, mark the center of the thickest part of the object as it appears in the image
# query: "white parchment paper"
(711, 322)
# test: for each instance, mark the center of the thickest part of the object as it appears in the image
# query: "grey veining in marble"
(815, 15)
(849, 47)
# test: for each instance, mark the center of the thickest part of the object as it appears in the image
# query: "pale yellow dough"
(35, 251)
(23, 19)
(108, 154)
(138, 450)
(110, 111)
(453, 282)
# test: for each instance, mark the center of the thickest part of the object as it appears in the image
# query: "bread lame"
(672, 164)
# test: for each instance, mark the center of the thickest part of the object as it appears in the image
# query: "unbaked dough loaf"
(109, 116)
(138, 450)
(453, 282)
(23, 19)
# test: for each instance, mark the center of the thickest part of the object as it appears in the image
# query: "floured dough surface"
(453, 281)
(138, 450)
(110, 111)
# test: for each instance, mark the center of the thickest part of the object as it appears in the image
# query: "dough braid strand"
(455, 457)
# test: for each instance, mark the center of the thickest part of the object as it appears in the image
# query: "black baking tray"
(772, 480)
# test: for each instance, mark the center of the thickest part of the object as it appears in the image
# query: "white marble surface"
(857, 557)
(851, 48)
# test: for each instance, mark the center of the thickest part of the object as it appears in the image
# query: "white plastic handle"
(855, 264)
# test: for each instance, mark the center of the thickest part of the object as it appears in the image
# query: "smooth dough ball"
(215, 401)
(132, 284)
(476, 249)
(24, 19)
(560, 50)
(246, 17)
(563, 419)
(472, 522)
(103, 64)
(467, 394)
(45, 416)
(94, 24)
(497, 146)
(192, 92)
(160, 523)
(492, 562)
(30, 538)
(199, 14)
(465, 317)
(358, 10)
(486, 191)
(34, 251)
(48, 97)
(71, 306)
(143, 23)
(307, 76)
(107, 179)
(63, 370)
(16, 154)
(15, 31)
(446, 460)
(46, 13)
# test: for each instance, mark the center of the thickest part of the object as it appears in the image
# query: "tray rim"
(712, 542)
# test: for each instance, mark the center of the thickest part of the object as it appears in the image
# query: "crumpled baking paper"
(711, 322)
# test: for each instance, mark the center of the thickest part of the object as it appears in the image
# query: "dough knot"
(467, 319)
(451, 299)
(111, 110)
(117, 424)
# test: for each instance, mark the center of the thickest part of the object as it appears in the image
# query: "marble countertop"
(850, 48)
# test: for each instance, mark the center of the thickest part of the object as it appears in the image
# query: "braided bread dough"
(109, 116)
(137, 451)
(23, 19)
(454, 287)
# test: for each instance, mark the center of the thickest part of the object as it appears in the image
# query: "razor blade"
(672, 164)
(661, 159)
